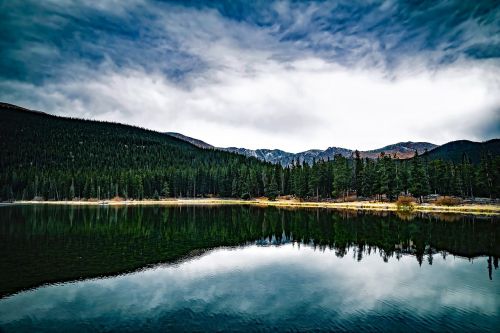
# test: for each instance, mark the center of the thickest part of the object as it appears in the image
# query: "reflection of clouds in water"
(268, 282)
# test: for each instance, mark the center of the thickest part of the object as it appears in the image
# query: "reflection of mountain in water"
(43, 244)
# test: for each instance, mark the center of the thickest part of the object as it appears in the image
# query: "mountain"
(55, 158)
(451, 151)
(401, 150)
(51, 157)
(455, 150)
(269, 155)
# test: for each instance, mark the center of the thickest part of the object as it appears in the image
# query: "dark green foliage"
(419, 177)
(54, 158)
(272, 189)
(59, 158)
(454, 151)
(341, 176)
(165, 189)
(358, 172)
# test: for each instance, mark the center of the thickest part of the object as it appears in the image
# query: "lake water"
(236, 268)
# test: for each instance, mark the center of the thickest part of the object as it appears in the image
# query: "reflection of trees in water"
(53, 243)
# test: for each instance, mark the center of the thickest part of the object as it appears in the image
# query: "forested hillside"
(455, 150)
(60, 158)
(55, 158)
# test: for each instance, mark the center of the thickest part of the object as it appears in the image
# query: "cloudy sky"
(261, 74)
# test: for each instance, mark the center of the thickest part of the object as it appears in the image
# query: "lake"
(241, 268)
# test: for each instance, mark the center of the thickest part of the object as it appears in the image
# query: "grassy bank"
(357, 205)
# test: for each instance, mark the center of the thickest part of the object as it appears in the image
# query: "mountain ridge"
(453, 150)
(402, 150)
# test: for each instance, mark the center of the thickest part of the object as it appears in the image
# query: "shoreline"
(476, 209)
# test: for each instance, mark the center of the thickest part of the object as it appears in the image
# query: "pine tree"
(382, 177)
(272, 190)
(419, 180)
(314, 180)
(235, 189)
(341, 176)
(358, 173)
(165, 189)
(468, 175)
(72, 190)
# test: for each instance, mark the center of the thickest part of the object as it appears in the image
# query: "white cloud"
(257, 91)
(294, 106)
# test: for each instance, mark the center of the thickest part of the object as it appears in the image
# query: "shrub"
(405, 203)
(272, 196)
(350, 198)
(448, 201)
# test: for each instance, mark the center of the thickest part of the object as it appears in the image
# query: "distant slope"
(269, 155)
(193, 141)
(401, 150)
(455, 150)
(286, 158)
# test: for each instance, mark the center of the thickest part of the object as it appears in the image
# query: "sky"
(292, 75)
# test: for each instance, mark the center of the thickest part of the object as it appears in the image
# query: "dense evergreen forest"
(55, 158)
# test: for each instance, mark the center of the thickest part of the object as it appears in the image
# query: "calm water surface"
(245, 268)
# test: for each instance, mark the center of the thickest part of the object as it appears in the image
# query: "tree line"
(58, 158)
(388, 177)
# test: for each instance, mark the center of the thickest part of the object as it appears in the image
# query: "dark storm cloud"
(230, 61)
(338, 30)
(38, 38)
(43, 38)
